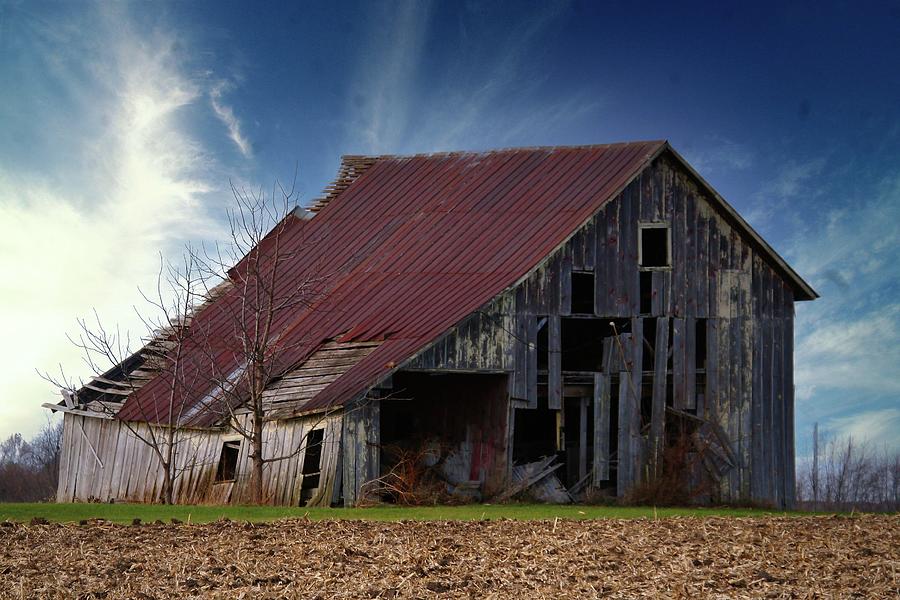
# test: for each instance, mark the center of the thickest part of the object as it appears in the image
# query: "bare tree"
(263, 297)
(843, 474)
(29, 470)
(118, 370)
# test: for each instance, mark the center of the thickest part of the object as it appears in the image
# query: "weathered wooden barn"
(571, 314)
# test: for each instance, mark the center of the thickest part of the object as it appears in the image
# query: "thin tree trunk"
(256, 486)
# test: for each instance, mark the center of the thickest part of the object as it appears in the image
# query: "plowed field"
(799, 557)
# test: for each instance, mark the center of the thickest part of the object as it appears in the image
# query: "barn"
(564, 322)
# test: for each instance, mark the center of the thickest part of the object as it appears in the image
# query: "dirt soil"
(801, 557)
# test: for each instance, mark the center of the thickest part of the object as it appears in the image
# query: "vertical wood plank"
(623, 469)
(679, 281)
(565, 287)
(601, 428)
(790, 472)
(690, 362)
(582, 437)
(701, 283)
(637, 361)
(520, 342)
(658, 408)
(712, 368)
(601, 262)
(692, 282)
(589, 244)
(554, 362)
(531, 367)
(679, 385)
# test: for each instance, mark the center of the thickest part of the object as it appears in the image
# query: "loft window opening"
(228, 461)
(582, 292)
(654, 246)
(312, 463)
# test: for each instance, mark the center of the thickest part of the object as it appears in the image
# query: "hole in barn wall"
(700, 344)
(228, 461)
(583, 292)
(582, 341)
(646, 291)
(654, 248)
(534, 435)
(312, 464)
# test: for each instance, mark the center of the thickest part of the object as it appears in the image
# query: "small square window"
(654, 248)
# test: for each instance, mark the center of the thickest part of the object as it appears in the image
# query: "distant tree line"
(29, 469)
(843, 474)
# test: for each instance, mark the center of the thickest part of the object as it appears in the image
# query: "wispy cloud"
(718, 153)
(878, 428)
(855, 354)
(388, 73)
(226, 114)
(71, 244)
(795, 178)
(487, 94)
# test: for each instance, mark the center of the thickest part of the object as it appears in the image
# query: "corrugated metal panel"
(414, 244)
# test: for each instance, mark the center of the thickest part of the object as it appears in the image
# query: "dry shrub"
(413, 480)
(673, 486)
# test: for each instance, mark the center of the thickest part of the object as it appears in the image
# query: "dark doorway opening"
(312, 464)
(228, 461)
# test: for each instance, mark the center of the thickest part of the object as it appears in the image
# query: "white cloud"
(67, 247)
(226, 115)
(859, 355)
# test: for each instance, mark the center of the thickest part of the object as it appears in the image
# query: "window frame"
(642, 225)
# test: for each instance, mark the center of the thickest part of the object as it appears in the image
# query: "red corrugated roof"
(415, 244)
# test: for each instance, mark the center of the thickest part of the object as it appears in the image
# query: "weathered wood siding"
(716, 274)
(105, 460)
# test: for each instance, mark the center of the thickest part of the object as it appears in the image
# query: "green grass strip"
(126, 513)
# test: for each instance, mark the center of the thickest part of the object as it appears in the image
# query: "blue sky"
(121, 125)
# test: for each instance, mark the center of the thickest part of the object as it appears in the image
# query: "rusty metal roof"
(411, 245)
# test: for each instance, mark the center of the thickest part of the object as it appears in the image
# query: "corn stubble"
(800, 557)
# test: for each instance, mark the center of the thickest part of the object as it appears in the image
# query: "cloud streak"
(488, 94)
(226, 115)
